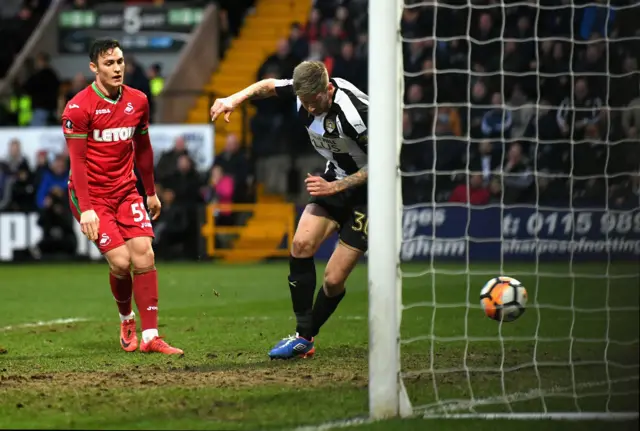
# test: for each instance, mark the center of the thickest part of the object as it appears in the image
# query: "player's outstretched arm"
(260, 90)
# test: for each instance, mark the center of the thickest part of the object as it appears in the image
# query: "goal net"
(518, 157)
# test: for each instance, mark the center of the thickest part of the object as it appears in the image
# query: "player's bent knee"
(143, 260)
(334, 280)
(314, 227)
(142, 255)
(340, 265)
(120, 267)
(119, 260)
(303, 247)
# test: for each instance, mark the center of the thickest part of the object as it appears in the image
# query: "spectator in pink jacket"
(220, 191)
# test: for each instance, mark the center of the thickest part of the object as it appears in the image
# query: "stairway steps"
(270, 21)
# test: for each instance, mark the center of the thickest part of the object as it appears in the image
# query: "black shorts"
(349, 210)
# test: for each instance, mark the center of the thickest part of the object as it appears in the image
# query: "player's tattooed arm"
(261, 89)
(353, 180)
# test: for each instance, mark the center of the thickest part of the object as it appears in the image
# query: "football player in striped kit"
(334, 113)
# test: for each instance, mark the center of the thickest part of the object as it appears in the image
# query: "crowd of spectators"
(182, 188)
(43, 94)
(36, 96)
(534, 105)
(48, 94)
(541, 102)
(335, 33)
(43, 188)
(18, 18)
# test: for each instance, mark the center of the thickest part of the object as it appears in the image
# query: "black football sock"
(324, 308)
(302, 284)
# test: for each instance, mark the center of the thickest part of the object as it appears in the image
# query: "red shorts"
(121, 218)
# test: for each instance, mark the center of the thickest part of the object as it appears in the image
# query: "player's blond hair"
(310, 78)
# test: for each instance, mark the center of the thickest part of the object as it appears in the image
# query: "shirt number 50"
(139, 212)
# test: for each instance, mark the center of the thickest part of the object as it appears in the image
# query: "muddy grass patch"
(186, 377)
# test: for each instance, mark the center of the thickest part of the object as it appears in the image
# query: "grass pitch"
(74, 374)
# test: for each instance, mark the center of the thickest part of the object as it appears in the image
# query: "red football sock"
(145, 292)
(121, 287)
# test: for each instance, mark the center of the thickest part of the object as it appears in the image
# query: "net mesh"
(519, 158)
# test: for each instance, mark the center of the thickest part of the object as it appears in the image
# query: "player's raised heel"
(158, 345)
(128, 337)
(292, 347)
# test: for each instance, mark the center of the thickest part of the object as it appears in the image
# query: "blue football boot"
(294, 346)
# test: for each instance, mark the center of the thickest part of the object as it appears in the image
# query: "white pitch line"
(82, 319)
(557, 416)
(515, 397)
(347, 423)
(43, 323)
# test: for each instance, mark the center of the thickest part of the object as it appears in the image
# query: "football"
(503, 299)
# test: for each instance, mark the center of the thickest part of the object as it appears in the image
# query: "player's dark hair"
(100, 47)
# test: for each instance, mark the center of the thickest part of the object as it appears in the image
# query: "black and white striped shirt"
(340, 135)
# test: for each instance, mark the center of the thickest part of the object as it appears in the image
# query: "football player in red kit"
(106, 129)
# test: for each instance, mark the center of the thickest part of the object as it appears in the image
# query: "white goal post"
(386, 393)
(536, 229)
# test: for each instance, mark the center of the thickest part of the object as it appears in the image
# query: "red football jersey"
(109, 127)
